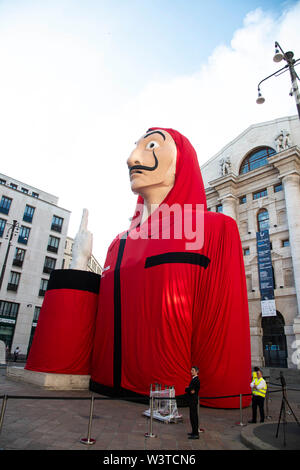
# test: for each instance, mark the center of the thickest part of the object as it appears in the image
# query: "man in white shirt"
(259, 390)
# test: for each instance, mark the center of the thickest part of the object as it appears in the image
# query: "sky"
(82, 80)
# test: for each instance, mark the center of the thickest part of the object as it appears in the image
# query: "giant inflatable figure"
(172, 292)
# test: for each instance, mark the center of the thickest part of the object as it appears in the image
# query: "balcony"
(47, 270)
(13, 287)
(18, 262)
(53, 249)
(56, 228)
(27, 218)
(4, 210)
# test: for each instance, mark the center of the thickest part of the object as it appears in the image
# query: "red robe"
(163, 308)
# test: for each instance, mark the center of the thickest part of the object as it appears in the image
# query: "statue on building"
(225, 165)
(283, 141)
(166, 299)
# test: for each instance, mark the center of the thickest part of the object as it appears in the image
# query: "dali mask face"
(152, 164)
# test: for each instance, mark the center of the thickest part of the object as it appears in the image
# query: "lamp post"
(290, 65)
(14, 227)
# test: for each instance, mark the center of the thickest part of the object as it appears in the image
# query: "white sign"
(268, 308)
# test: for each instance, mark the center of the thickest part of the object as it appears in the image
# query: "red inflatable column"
(64, 335)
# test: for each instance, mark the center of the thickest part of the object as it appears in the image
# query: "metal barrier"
(89, 441)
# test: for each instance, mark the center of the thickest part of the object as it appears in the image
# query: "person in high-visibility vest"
(259, 390)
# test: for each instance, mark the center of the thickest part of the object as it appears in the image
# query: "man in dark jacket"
(192, 393)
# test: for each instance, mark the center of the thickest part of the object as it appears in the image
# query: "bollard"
(87, 440)
(4, 401)
(150, 434)
(267, 403)
(241, 413)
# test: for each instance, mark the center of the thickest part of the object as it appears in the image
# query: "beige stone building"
(256, 180)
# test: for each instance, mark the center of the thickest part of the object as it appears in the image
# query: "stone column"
(229, 206)
(291, 184)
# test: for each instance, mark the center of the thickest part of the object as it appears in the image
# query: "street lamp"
(14, 227)
(290, 65)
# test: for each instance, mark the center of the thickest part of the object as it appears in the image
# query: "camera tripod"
(284, 403)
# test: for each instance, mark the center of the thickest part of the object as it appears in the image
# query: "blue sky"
(82, 80)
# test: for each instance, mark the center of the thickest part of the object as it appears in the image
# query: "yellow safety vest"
(262, 392)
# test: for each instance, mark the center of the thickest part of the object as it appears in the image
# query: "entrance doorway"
(274, 341)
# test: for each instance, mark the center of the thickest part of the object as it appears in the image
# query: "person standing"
(192, 393)
(259, 390)
(16, 353)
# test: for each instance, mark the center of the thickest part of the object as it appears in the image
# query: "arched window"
(256, 159)
(263, 220)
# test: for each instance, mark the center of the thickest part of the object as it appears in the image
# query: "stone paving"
(45, 423)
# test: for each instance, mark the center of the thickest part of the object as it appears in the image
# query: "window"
(36, 314)
(2, 181)
(13, 185)
(263, 220)
(286, 242)
(2, 226)
(24, 190)
(57, 223)
(53, 244)
(43, 287)
(28, 213)
(243, 199)
(49, 264)
(246, 251)
(13, 281)
(256, 159)
(219, 208)
(19, 257)
(9, 309)
(278, 187)
(35, 194)
(23, 235)
(261, 193)
(5, 204)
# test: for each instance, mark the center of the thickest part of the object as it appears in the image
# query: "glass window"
(286, 242)
(243, 199)
(49, 264)
(261, 193)
(219, 208)
(278, 187)
(24, 190)
(19, 257)
(13, 281)
(36, 313)
(246, 251)
(28, 213)
(13, 185)
(43, 287)
(256, 159)
(2, 226)
(23, 235)
(57, 223)
(53, 244)
(2, 181)
(263, 220)
(5, 204)
(35, 194)
(9, 309)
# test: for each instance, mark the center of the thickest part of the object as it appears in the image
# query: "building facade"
(33, 231)
(256, 180)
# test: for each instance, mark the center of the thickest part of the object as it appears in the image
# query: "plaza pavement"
(45, 423)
